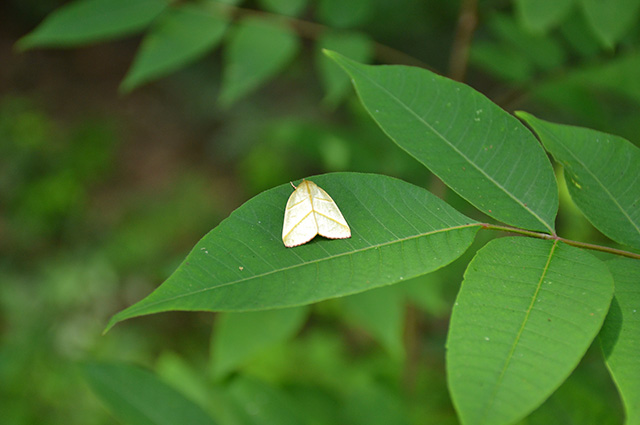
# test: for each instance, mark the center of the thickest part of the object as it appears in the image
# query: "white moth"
(311, 211)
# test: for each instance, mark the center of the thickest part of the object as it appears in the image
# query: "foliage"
(295, 331)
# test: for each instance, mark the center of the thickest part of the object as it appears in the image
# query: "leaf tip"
(23, 44)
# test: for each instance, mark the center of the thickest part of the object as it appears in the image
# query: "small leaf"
(618, 75)
(527, 311)
(181, 35)
(620, 335)
(344, 14)
(543, 52)
(484, 154)
(354, 45)
(264, 404)
(601, 171)
(501, 61)
(238, 337)
(257, 50)
(398, 231)
(611, 19)
(381, 313)
(284, 7)
(372, 404)
(88, 21)
(136, 396)
(541, 15)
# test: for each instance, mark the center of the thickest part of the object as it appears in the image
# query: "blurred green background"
(103, 194)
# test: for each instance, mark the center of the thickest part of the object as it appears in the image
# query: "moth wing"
(299, 225)
(330, 221)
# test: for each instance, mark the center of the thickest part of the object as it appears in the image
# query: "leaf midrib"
(518, 335)
(477, 167)
(165, 300)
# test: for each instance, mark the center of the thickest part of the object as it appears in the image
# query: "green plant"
(529, 307)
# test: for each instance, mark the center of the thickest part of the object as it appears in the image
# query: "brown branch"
(313, 31)
(467, 21)
(547, 236)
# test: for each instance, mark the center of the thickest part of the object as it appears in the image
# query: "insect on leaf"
(311, 211)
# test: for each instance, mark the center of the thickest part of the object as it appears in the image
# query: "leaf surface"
(611, 19)
(263, 403)
(88, 21)
(476, 148)
(602, 176)
(238, 337)
(137, 396)
(381, 313)
(181, 35)
(398, 231)
(256, 51)
(620, 335)
(541, 15)
(526, 313)
(284, 7)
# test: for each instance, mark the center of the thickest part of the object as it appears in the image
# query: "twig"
(313, 31)
(558, 238)
(467, 21)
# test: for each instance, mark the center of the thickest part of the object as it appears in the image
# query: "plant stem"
(558, 238)
(313, 30)
(467, 21)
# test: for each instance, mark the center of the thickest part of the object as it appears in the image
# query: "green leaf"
(618, 75)
(257, 50)
(264, 404)
(502, 61)
(284, 7)
(372, 404)
(525, 315)
(611, 19)
(544, 52)
(344, 14)
(89, 21)
(136, 396)
(476, 148)
(398, 231)
(381, 313)
(189, 379)
(620, 335)
(541, 15)
(354, 45)
(182, 35)
(602, 176)
(238, 337)
(585, 398)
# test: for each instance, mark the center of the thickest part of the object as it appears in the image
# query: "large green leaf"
(256, 51)
(620, 335)
(136, 396)
(182, 35)
(475, 147)
(602, 176)
(526, 313)
(238, 337)
(88, 21)
(541, 15)
(398, 231)
(611, 19)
